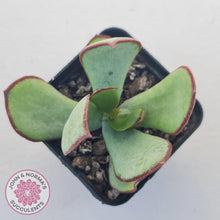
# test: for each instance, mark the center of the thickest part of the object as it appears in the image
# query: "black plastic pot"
(156, 68)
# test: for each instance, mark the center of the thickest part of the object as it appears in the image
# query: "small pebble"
(99, 148)
(142, 82)
(139, 65)
(95, 165)
(132, 76)
(131, 69)
(139, 84)
(107, 159)
(81, 162)
(80, 90)
(72, 84)
(87, 169)
(104, 175)
(99, 176)
(113, 194)
(166, 136)
(147, 132)
(90, 177)
(185, 128)
(79, 81)
(88, 87)
(85, 148)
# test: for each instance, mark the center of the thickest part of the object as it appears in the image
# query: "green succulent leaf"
(122, 187)
(134, 154)
(98, 38)
(76, 128)
(37, 110)
(106, 99)
(169, 103)
(107, 62)
(94, 118)
(126, 118)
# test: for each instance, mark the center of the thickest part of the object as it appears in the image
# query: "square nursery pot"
(155, 72)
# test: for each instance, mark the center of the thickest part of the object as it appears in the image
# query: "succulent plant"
(38, 112)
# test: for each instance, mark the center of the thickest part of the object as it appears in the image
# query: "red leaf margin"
(141, 118)
(6, 93)
(152, 170)
(86, 127)
(99, 36)
(193, 100)
(103, 89)
(111, 44)
(128, 191)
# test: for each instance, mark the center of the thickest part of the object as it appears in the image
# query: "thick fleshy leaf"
(122, 187)
(134, 154)
(98, 38)
(94, 118)
(106, 99)
(168, 104)
(36, 110)
(76, 128)
(126, 118)
(107, 62)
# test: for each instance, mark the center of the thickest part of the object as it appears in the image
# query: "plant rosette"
(32, 105)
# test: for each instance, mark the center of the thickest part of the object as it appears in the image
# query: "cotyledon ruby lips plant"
(38, 112)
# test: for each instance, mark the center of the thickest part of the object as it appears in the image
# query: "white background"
(40, 37)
